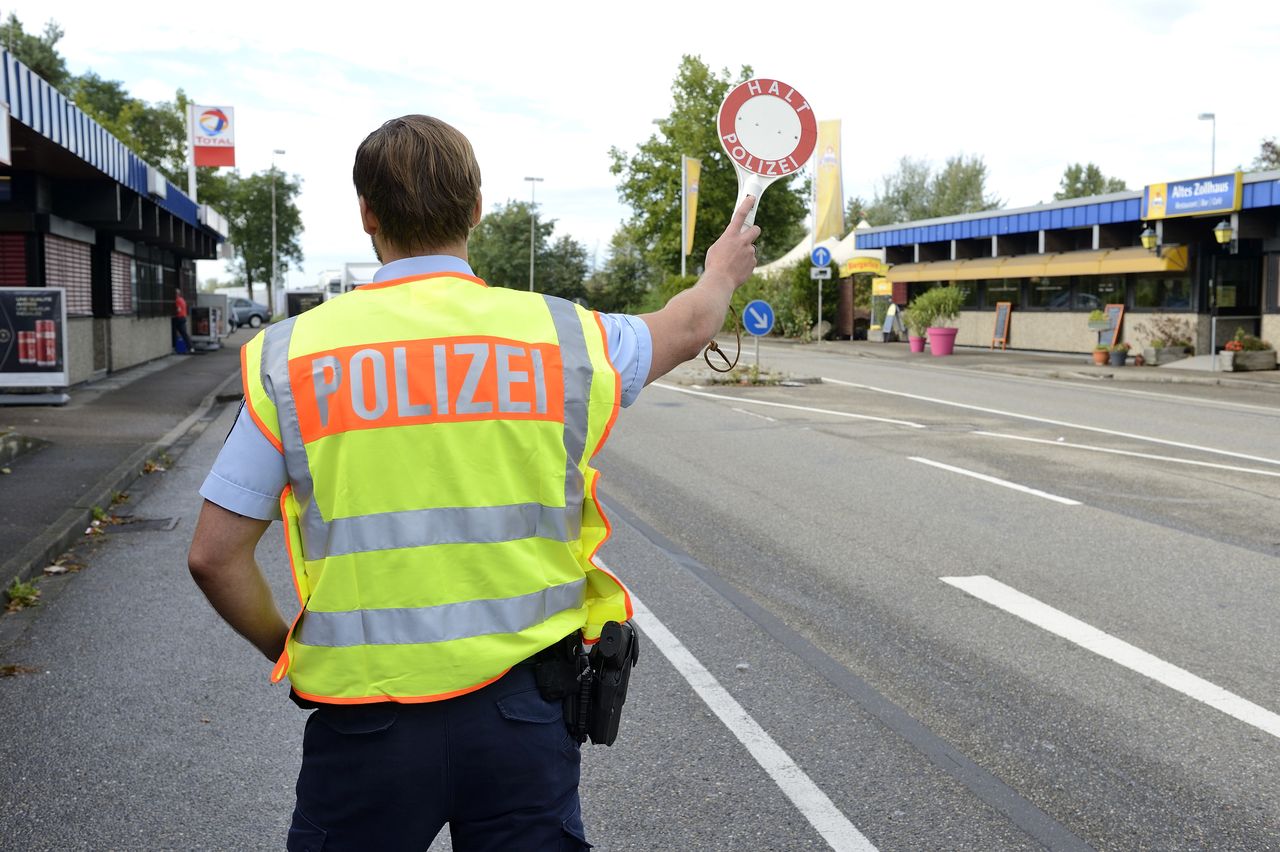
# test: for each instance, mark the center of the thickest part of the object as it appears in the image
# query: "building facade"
(1055, 263)
(80, 211)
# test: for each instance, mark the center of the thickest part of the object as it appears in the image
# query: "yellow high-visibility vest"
(440, 516)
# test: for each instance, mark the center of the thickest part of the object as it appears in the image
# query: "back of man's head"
(420, 177)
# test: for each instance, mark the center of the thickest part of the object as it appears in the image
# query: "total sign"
(757, 317)
(820, 256)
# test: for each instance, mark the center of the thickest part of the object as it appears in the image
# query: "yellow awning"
(1100, 262)
(946, 270)
(1024, 266)
(1137, 259)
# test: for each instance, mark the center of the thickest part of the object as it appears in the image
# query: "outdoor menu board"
(33, 339)
(1001, 334)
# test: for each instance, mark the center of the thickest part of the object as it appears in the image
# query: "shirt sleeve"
(249, 475)
(630, 350)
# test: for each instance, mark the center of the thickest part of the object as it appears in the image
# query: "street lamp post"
(533, 222)
(274, 266)
(1213, 144)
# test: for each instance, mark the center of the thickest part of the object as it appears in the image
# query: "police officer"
(426, 442)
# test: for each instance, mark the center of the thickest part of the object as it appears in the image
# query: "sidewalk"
(1020, 362)
(99, 443)
(72, 458)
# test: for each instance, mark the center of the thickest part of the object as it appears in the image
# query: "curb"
(59, 536)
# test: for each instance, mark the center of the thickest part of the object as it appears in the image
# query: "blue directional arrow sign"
(820, 256)
(757, 318)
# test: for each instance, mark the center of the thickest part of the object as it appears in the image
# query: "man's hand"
(685, 324)
(734, 254)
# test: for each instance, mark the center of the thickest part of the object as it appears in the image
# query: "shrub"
(937, 306)
(1166, 330)
(1246, 343)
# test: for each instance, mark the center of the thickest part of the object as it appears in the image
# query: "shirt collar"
(416, 267)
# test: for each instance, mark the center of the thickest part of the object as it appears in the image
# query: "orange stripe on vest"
(442, 380)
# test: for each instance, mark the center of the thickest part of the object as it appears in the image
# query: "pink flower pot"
(917, 343)
(942, 341)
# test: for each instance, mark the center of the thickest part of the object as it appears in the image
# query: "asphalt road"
(809, 679)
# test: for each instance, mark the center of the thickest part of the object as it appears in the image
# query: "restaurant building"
(1205, 250)
(81, 212)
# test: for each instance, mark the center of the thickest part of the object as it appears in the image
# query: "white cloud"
(546, 89)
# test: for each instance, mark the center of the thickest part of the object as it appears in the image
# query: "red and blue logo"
(214, 121)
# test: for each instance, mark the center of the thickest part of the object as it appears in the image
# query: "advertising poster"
(33, 340)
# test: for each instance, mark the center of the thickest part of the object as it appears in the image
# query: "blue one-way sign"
(757, 317)
(820, 256)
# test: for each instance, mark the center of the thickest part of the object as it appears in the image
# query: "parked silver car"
(245, 312)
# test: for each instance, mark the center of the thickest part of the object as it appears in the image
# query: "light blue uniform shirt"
(249, 474)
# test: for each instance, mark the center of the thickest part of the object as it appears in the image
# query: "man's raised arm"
(686, 323)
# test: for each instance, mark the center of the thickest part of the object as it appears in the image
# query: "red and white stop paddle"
(768, 130)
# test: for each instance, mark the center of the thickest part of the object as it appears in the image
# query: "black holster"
(592, 685)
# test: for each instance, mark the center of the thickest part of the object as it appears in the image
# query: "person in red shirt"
(180, 323)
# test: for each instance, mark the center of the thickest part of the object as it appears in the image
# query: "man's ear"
(368, 218)
(478, 213)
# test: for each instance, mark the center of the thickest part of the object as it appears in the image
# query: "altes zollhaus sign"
(1198, 197)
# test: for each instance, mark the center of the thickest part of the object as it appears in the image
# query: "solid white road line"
(1062, 443)
(753, 414)
(1092, 639)
(1065, 423)
(1001, 482)
(812, 803)
(724, 398)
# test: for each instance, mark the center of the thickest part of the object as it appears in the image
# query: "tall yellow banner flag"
(692, 172)
(828, 203)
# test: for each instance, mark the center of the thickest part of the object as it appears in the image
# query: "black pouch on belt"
(556, 669)
(611, 660)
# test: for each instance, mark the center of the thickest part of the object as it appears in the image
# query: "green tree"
(499, 253)
(156, 132)
(1082, 180)
(246, 202)
(916, 192)
(650, 178)
(621, 284)
(39, 53)
(1268, 155)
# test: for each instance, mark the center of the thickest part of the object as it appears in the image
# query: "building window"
(68, 265)
(1004, 290)
(1162, 291)
(1095, 291)
(972, 294)
(1050, 293)
(150, 301)
(121, 283)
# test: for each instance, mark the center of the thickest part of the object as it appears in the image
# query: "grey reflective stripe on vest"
(577, 393)
(438, 623)
(419, 527)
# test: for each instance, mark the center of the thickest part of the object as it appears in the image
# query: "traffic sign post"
(757, 319)
(820, 272)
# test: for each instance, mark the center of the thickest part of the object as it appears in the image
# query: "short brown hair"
(420, 177)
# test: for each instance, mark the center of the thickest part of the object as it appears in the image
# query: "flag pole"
(684, 209)
(191, 151)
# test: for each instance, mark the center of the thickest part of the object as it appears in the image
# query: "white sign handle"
(753, 185)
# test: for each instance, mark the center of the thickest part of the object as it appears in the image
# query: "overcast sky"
(544, 89)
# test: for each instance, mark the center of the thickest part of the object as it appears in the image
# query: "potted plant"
(939, 306)
(1101, 353)
(1098, 320)
(915, 322)
(1246, 352)
(1119, 352)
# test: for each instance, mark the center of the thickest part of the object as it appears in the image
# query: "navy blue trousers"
(496, 764)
